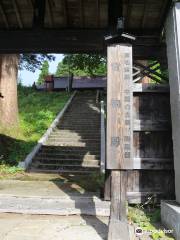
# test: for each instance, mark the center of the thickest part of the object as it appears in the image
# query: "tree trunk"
(8, 90)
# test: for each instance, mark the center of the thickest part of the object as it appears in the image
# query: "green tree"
(82, 65)
(62, 70)
(44, 72)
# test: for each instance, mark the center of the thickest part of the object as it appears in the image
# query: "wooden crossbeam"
(39, 13)
(151, 73)
(72, 41)
(5, 19)
(18, 15)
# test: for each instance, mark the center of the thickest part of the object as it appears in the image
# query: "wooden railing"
(103, 139)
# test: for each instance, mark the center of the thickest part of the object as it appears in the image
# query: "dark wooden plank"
(39, 14)
(49, 12)
(153, 163)
(152, 108)
(18, 15)
(107, 186)
(150, 183)
(69, 41)
(4, 16)
(70, 82)
(119, 107)
(153, 145)
(152, 126)
(148, 87)
(118, 225)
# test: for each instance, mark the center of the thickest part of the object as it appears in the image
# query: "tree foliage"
(82, 65)
(32, 62)
(44, 72)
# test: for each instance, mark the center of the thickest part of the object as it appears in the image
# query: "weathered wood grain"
(119, 107)
(153, 145)
(118, 225)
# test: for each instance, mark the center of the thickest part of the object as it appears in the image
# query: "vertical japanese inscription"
(119, 116)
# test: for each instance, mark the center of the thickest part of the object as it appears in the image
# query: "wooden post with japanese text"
(119, 134)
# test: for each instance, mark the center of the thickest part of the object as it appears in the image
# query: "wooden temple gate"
(139, 146)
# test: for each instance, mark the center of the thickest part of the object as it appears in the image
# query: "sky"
(28, 78)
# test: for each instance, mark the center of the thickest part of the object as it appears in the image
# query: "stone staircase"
(74, 146)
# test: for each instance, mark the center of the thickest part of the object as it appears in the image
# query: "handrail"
(103, 139)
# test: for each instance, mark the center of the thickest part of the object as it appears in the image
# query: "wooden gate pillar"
(119, 134)
(173, 53)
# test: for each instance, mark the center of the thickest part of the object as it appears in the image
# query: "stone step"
(62, 162)
(80, 129)
(86, 132)
(74, 146)
(64, 171)
(77, 156)
(80, 123)
(89, 107)
(78, 126)
(74, 135)
(67, 167)
(81, 115)
(70, 139)
(72, 205)
(69, 149)
(89, 145)
(66, 164)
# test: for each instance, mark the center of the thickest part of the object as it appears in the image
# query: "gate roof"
(85, 21)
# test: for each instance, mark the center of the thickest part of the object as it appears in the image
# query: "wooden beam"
(154, 88)
(165, 13)
(98, 13)
(31, 4)
(49, 11)
(107, 186)
(118, 225)
(128, 13)
(39, 13)
(81, 12)
(152, 126)
(72, 41)
(115, 11)
(144, 13)
(18, 15)
(4, 16)
(153, 163)
(65, 12)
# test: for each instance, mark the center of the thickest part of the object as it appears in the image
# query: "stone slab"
(45, 197)
(28, 227)
(170, 217)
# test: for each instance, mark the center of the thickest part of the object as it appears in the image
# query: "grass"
(37, 110)
(148, 219)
